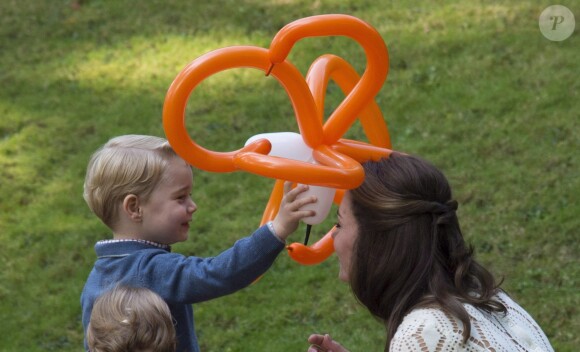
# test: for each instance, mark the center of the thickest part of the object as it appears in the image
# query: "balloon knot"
(269, 69)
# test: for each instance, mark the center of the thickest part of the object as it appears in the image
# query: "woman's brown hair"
(410, 251)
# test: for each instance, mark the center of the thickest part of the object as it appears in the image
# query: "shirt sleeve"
(181, 279)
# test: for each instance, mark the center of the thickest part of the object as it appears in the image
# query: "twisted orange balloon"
(338, 160)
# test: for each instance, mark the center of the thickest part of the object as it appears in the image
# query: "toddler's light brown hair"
(132, 319)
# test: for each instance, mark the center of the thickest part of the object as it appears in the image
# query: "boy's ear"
(131, 207)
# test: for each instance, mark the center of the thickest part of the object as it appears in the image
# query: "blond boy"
(141, 190)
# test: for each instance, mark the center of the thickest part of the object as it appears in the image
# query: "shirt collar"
(125, 240)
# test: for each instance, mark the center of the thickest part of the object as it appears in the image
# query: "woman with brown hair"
(401, 249)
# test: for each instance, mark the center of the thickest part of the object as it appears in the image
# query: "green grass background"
(473, 86)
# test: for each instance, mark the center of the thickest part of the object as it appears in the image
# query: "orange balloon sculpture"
(336, 162)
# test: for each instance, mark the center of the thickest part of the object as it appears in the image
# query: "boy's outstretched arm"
(192, 279)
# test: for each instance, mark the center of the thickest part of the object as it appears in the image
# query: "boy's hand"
(324, 343)
(286, 221)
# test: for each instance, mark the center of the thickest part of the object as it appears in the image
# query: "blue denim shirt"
(178, 279)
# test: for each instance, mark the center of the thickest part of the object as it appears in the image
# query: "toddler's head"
(130, 319)
(130, 164)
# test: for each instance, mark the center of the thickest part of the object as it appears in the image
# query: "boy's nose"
(192, 207)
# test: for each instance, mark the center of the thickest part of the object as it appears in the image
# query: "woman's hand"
(286, 221)
(324, 343)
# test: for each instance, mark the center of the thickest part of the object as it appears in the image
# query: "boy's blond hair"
(130, 319)
(130, 164)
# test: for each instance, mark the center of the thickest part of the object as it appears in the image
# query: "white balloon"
(290, 145)
(324, 196)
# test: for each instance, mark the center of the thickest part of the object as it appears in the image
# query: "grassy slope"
(473, 86)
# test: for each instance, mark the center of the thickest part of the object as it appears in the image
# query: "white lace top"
(431, 329)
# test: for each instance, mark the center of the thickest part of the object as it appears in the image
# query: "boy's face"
(167, 213)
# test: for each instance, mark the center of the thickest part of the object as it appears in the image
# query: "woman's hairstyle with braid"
(410, 251)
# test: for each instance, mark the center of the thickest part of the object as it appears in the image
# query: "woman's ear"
(132, 208)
